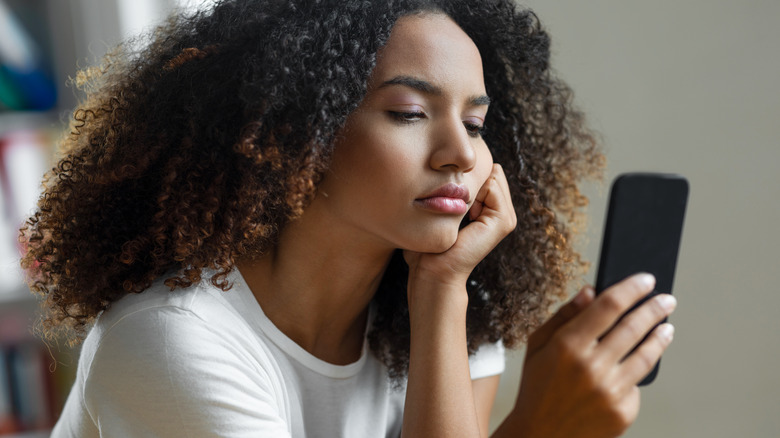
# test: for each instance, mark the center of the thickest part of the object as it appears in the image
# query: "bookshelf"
(29, 101)
(43, 43)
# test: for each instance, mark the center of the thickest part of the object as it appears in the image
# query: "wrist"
(428, 297)
(516, 424)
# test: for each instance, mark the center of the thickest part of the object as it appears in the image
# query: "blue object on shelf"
(25, 82)
(6, 402)
(32, 90)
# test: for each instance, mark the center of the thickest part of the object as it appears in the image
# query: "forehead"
(432, 47)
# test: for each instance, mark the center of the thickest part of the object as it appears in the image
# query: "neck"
(316, 285)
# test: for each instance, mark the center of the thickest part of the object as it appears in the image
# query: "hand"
(492, 218)
(580, 376)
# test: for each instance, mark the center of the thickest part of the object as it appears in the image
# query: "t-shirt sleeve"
(488, 360)
(169, 373)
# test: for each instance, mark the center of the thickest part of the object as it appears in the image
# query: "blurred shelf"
(13, 288)
(18, 294)
(29, 120)
(37, 434)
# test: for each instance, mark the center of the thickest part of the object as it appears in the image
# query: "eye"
(474, 129)
(406, 117)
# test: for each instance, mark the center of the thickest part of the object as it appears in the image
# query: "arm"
(440, 400)
(485, 390)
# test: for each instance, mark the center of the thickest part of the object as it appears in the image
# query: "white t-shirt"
(200, 362)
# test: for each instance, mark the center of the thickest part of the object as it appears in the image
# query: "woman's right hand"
(580, 375)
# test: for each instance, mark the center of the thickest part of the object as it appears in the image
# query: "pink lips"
(449, 199)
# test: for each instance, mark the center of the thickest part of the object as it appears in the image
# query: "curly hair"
(196, 149)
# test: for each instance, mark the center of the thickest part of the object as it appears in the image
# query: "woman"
(284, 218)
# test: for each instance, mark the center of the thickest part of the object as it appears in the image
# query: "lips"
(448, 199)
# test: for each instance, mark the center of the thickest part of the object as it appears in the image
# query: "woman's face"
(410, 160)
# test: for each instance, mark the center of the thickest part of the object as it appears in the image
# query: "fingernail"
(666, 331)
(590, 292)
(584, 296)
(667, 301)
(647, 280)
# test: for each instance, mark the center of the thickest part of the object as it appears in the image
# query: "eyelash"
(405, 117)
(473, 129)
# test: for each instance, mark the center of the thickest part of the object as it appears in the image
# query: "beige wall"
(692, 86)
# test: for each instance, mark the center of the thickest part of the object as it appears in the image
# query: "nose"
(453, 147)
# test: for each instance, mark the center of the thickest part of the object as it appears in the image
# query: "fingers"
(494, 201)
(619, 333)
(609, 306)
(545, 332)
(635, 326)
(479, 200)
(640, 362)
(495, 220)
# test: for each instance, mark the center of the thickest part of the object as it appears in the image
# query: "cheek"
(484, 165)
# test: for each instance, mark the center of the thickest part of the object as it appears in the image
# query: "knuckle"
(621, 419)
(509, 222)
(573, 358)
(606, 396)
(561, 343)
(612, 302)
(619, 410)
(647, 356)
(587, 370)
(617, 415)
(647, 360)
(624, 416)
(634, 328)
(510, 227)
(634, 287)
(565, 347)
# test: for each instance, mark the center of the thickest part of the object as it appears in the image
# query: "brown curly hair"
(196, 149)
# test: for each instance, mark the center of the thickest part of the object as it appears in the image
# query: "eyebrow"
(429, 88)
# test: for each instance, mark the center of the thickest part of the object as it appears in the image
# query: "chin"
(435, 243)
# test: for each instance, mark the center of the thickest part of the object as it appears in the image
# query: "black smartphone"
(642, 232)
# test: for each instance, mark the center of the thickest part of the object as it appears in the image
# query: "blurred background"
(43, 43)
(692, 87)
(689, 87)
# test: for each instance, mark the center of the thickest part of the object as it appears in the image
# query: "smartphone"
(642, 233)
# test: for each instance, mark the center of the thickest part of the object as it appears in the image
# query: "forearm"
(439, 399)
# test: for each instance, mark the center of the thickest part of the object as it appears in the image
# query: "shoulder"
(183, 357)
(158, 321)
(201, 301)
(184, 327)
